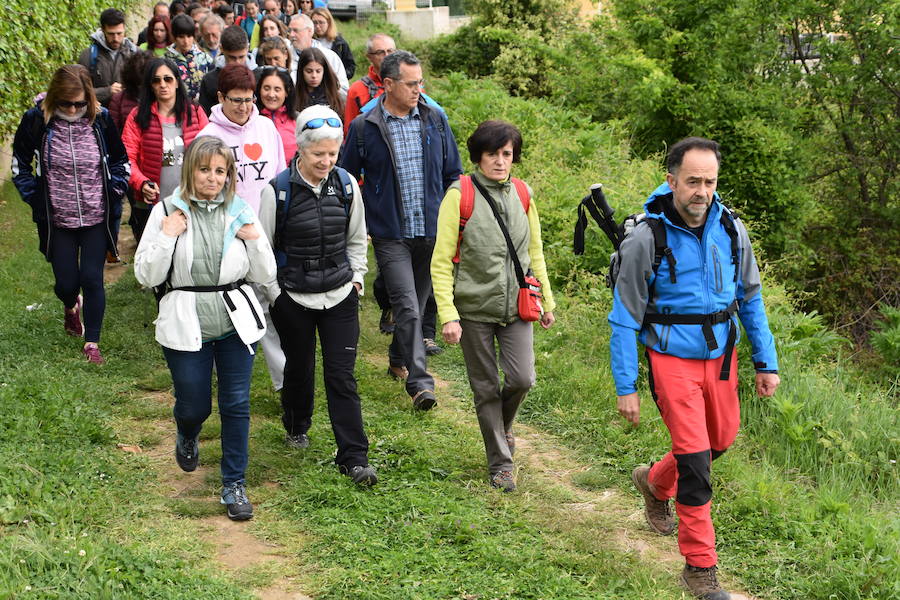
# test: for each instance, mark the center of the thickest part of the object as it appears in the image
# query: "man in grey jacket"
(107, 54)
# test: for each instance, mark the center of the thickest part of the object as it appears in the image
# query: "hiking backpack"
(374, 91)
(467, 204)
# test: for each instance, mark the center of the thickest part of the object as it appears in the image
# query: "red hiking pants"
(702, 414)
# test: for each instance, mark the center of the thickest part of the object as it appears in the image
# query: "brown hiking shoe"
(702, 583)
(657, 512)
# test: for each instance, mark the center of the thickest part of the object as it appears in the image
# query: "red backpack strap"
(522, 190)
(466, 205)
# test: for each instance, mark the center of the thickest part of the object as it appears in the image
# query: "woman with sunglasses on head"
(259, 155)
(159, 36)
(203, 242)
(317, 83)
(75, 189)
(275, 100)
(326, 33)
(477, 273)
(315, 214)
(156, 134)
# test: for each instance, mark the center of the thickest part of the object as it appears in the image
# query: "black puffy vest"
(313, 238)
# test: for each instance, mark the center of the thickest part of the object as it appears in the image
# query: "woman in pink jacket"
(275, 99)
(156, 135)
(255, 141)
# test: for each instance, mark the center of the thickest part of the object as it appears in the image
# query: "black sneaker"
(299, 441)
(187, 453)
(431, 347)
(363, 475)
(424, 400)
(234, 497)
(386, 324)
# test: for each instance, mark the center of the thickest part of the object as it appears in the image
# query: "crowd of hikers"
(256, 176)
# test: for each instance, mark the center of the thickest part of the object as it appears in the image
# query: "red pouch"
(530, 298)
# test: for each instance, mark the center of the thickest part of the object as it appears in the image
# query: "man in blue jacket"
(685, 272)
(407, 154)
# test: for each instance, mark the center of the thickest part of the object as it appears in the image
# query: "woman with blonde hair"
(203, 246)
(325, 32)
(70, 166)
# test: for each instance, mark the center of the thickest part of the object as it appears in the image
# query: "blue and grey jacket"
(705, 283)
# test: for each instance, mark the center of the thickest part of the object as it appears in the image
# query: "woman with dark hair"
(192, 62)
(325, 32)
(259, 155)
(156, 135)
(316, 82)
(75, 189)
(305, 6)
(204, 241)
(274, 51)
(275, 99)
(123, 102)
(268, 27)
(159, 36)
(177, 8)
(476, 284)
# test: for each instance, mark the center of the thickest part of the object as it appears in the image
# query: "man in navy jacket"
(407, 155)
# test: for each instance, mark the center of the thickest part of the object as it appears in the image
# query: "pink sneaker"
(92, 354)
(72, 321)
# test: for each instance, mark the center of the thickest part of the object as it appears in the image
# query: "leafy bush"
(886, 337)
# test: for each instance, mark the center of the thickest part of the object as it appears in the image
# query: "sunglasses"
(272, 68)
(70, 104)
(317, 123)
(157, 80)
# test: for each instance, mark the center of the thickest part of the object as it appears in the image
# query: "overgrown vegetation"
(802, 96)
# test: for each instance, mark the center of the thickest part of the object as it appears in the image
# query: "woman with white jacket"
(203, 245)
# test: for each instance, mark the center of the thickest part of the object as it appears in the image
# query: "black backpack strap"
(728, 223)
(282, 185)
(661, 247)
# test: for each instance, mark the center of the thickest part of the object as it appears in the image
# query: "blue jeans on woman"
(192, 378)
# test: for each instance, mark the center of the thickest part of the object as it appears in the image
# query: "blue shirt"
(406, 137)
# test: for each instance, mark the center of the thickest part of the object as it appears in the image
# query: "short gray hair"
(212, 19)
(307, 22)
(391, 65)
(376, 36)
(308, 137)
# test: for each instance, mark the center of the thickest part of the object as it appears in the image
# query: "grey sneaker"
(703, 583)
(234, 497)
(657, 512)
(187, 453)
(363, 475)
(299, 441)
(431, 347)
(503, 480)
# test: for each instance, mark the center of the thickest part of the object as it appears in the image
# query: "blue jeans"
(192, 378)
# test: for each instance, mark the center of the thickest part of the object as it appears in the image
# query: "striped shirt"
(406, 137)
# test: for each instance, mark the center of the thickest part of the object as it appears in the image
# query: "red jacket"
(286, 129)
(359, 95)
(145, 146)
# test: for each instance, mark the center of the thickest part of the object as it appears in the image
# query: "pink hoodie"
(258, 151)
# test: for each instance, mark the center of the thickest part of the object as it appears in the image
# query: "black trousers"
(338, 329)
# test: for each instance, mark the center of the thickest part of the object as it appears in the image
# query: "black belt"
(226, 287)
(707, 321)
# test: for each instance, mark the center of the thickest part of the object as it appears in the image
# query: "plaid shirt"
(406, 137)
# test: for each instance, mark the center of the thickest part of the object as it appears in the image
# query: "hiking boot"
(72, 320)
(657, 512)
(511, 442)
(397, 373)
(299, 441)
(363, 475)
(386, 323)
(703, 583)
(424, 400)
(92, 353)
(431, 347)
(187, 453)
(234, 497)
(503, 480)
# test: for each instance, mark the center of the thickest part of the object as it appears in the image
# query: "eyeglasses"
(78, 104)
(157, 80)
(240, 101)
(413, 85)
(270, 68)
(317, 23)
(383, 52)
(317, 123)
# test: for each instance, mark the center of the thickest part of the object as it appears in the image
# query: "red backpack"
(467, 203)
